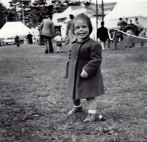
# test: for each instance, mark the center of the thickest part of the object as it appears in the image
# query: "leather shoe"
(90, 118)
(74, 110)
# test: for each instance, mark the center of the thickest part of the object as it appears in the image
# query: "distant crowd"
(128, 24)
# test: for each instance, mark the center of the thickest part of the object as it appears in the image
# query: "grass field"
(34, 103)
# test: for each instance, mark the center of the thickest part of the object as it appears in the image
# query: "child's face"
(81, 29)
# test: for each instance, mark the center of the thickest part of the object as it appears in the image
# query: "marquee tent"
(60, 18)
(127, 9)
(11, 29)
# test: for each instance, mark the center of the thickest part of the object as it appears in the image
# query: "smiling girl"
(84, 73)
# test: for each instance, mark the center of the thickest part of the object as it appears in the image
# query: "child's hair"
(86, 19)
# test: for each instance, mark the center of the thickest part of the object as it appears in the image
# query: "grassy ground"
(34, 103)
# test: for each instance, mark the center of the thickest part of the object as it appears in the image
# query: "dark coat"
(29, 37)
(88, 56)
(102, 34)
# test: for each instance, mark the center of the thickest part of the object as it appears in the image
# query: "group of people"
(126, 24)
(49, 34)
(130, 28)
(28, 39)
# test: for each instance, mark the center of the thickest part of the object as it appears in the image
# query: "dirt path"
(34, 103)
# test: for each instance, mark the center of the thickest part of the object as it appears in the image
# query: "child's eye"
(77, 27)
(84, 26)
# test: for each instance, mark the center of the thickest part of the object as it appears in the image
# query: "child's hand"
(84, 74)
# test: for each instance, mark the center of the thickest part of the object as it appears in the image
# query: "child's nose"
(81, 28)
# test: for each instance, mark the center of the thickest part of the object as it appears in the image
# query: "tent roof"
(130, 8)
(75, 10)
(127, 9)
(11, 29)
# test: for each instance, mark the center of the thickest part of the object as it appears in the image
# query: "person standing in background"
(139, 26)
(102, 35)
(58, 41)
(17, 41)
(29, 38)
(122, 23)
(47, 30)
(70, 29)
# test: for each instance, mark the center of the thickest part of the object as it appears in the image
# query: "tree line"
(32, 13)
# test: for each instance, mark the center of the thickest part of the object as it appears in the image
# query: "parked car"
(9, 41)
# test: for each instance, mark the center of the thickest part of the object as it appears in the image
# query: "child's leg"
(58, 48)
(46, 45)
(76, 103)
(92, 106)
(61, 48)
(76, 107)
(103, 46)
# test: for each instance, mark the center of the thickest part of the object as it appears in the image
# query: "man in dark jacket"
(102, 35)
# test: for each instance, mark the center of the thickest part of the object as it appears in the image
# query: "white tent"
(11, 29)
(93, 21)
(127, 9)
(60, 18)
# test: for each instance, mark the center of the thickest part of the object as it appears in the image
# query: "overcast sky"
(6, 2)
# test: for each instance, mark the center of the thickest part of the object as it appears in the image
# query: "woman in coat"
(69, 30)
(84, 73)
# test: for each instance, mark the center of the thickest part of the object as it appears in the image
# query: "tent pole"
(23, 15)
(102, 10)
(96, 19)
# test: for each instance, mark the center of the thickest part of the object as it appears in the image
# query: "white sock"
(92, 111)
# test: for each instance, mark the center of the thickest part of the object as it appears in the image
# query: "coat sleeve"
(95, 60)
(67, 65)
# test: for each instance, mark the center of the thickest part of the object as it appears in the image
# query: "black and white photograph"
(73, 70)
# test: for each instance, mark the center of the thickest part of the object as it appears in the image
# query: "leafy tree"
(39, 2)
(3, 15)
(35, 12)
(20, 3)
(11, 15)
(19, 10)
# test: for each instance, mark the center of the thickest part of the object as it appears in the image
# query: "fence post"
(115, 40)
(109, 43)
(142, 43)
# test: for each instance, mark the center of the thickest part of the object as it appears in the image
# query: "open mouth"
(82, 34)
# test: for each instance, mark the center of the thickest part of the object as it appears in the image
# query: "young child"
(58, 40)
(84, 73)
